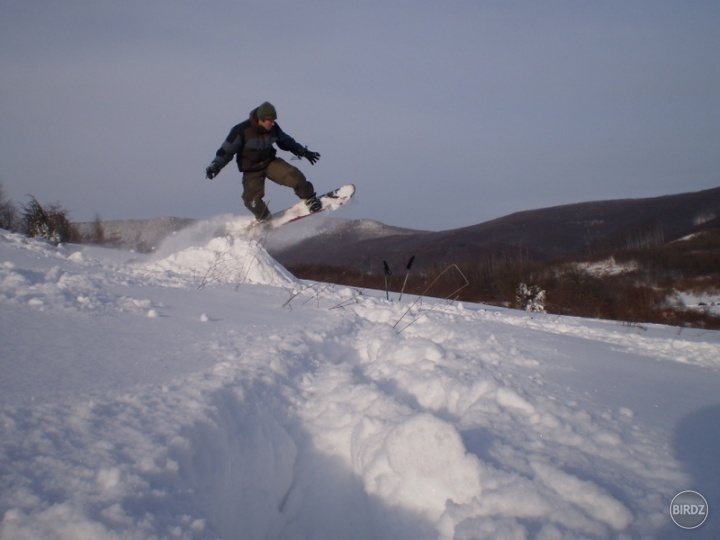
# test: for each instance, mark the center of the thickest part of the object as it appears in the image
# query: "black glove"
(311, 156)
(212, 171)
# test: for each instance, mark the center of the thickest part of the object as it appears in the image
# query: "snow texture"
(202, 392)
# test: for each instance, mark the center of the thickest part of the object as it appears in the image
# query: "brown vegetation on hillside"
(642, 293)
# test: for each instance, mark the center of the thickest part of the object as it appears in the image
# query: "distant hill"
(580, 230)
(141, 235)
(570, 230)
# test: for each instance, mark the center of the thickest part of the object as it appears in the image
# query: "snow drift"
(203, 392)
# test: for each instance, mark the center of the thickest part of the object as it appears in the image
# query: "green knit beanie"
(266, 110)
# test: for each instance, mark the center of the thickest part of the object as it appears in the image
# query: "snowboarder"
(252, 141)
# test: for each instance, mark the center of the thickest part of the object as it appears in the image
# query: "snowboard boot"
(260, 210)
(313, 204)
(262, 221)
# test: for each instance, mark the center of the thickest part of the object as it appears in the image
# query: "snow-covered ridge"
(608, 267)
(141, 235)
(201, 392)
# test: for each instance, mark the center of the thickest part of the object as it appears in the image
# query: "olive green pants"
(280, 172)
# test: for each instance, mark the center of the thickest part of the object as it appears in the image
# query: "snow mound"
(134, 407)
(225, 249)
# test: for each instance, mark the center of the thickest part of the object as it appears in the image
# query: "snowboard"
(332, 200)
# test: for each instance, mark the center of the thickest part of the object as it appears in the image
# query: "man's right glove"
(212, 171)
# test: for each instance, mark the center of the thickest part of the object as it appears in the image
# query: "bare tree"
(8, 213)
(98, 231)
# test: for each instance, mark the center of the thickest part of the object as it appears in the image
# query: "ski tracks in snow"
(448, 422)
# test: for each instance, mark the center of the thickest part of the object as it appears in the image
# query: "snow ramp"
(222, 250)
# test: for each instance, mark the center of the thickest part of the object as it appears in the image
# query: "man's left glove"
(212, 171)
(311, 156)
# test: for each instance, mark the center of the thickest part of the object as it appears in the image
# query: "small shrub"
(51, 224)
(530, 298)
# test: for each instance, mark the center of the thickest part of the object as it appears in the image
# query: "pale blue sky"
(443, 113)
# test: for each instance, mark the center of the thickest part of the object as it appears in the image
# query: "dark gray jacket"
(253, 145)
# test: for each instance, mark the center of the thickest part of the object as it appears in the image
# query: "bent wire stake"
(452, 297)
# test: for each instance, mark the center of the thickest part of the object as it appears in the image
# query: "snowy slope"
(202, 392)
